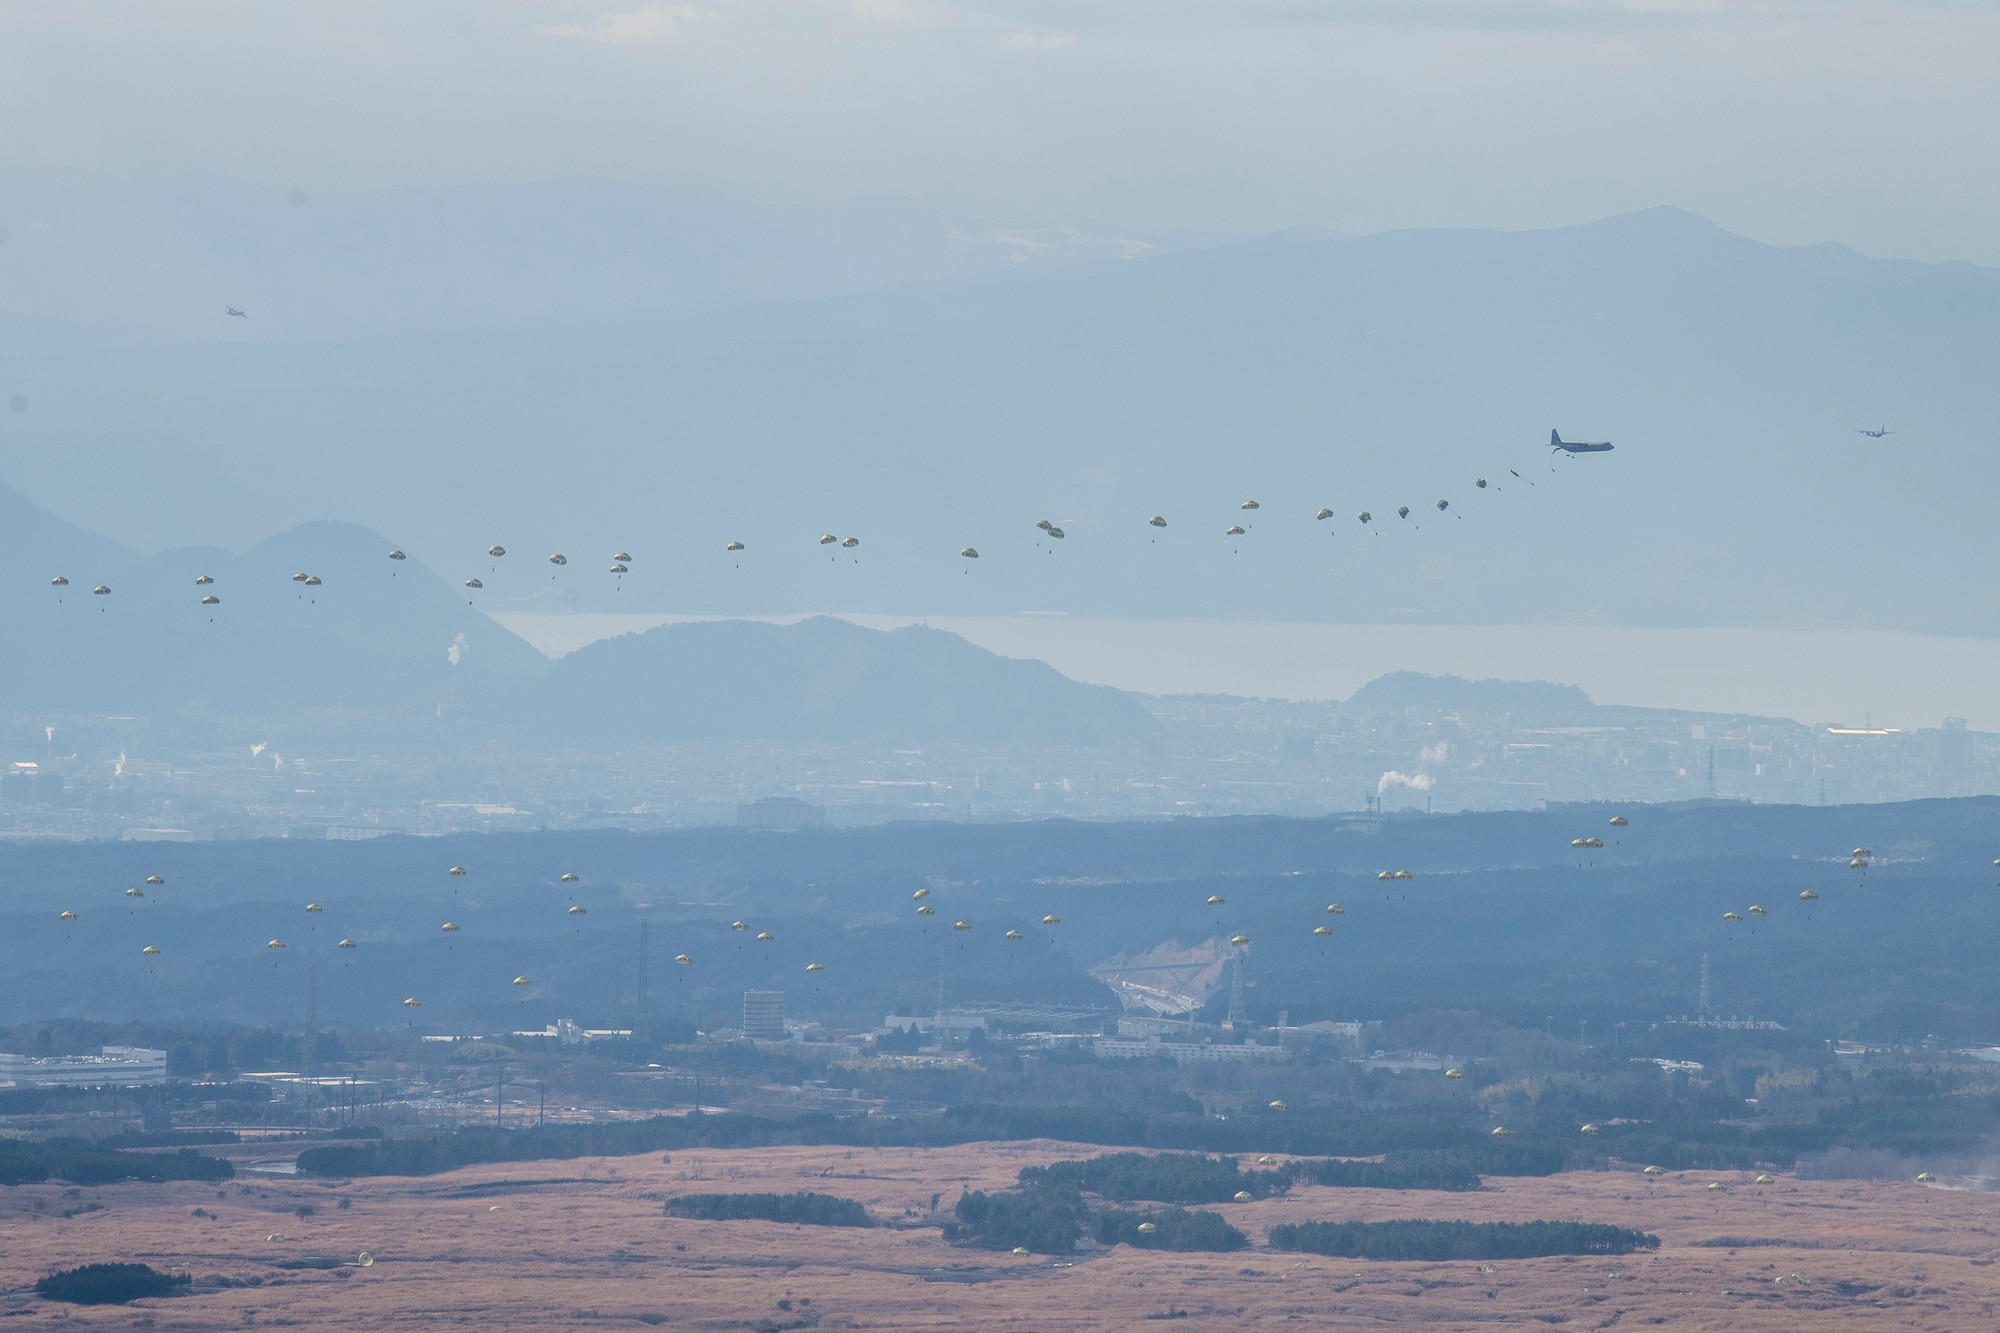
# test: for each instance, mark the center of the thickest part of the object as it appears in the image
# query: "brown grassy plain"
(584, 1245)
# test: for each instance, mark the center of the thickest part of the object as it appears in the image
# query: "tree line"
(1429, 1240)
(1407, 1166)
(81, 1162)
(803, 1209)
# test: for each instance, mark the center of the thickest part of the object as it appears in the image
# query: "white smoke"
(456, 653)
(1435, 754)
(1419, 782)
(258, 748)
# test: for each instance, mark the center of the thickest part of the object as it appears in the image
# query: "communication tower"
(310, 1057)
(643, 1022)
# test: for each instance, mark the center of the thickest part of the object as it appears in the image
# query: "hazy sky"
(1871, 123)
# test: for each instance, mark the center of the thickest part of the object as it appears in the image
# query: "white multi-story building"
(112, 1067)
(764, 1015)
(1183, 1052)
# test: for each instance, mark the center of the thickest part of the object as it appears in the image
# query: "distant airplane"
(1875, 434)
(230, 309)
(1556, 441)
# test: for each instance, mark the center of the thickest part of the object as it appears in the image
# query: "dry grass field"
(585, 1245)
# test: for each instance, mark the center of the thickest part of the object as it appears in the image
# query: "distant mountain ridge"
(820, 680)
(378, 645)
(379, 638)
(1538, 699)
(1364, 374)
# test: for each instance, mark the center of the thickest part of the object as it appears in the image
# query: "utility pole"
(499, 1097)
(1236, 1015)
(1708, 787)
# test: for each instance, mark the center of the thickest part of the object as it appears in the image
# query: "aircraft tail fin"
(1555, 440)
